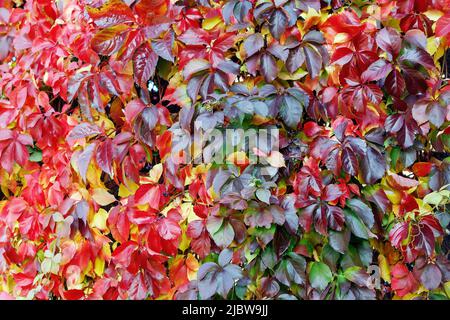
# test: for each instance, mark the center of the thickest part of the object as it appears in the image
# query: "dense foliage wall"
(99, 99)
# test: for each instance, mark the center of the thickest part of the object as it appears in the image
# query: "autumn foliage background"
(94, 203)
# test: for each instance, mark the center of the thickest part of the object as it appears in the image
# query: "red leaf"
(253, 44)
(164, 143)
(164, 47)
(200, 241)
(376, 71)
(311, 128)
(433, 224)
(133, 108)
(407, 204)
(417, 56)
(141, 217)
(422, 169)
(404, 126)
(398, 233)
(395, 83)
(403, 281)
(349, 161)
(195, 66)
(443, 26)
(331, 192)
(122, 255)
(148, 194)
(156, 7)
(13, 148)
(196, 37)
(342, 56)
(111, 13)
(278, 23)
(169, 229)
(144, 64)
(389, 40)
(105, 156)
(83, 130)
(401, 183)
(139, 288)
(110, 40)
(119, 225)
(306, 217)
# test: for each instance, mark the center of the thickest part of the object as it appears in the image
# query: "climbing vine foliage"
(101, 99)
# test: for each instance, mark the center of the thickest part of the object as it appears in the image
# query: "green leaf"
(320, 275)
(433, 198)
(263, 195)
(357, 275)
(224, 236)
(358, 228)
(296, 75)
(362, 210)
(339, 240)
(36, 155)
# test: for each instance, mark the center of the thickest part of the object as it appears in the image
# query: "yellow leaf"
(393, 23)
(432, 45)
(88, 270)
(447, 288)
(126, 191)
(311, 18)
(174, 204)
(185, 241)
(99, 220)
(433, 15)
(311, 13)
(180, 94)
(106, 251)
(276, 159)
(238, 157)
(384, 268)
(93, 176)
(201, 168)
(76, 196)
(396, 209)
(341, 38)
(192, 265)
(156, 172)
(187, 212)
(440, 51)
(393, 196)
(134, 232)
(103, 197)
(99, 267)
(285, 75)
(210, 23)
(106, 123)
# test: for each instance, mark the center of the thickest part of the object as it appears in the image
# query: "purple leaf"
(373, 165)
(278, 23)
(269, 67)
(390, 41)
(253, 44)
(83, 130)
(376, 71)
(84, 160)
